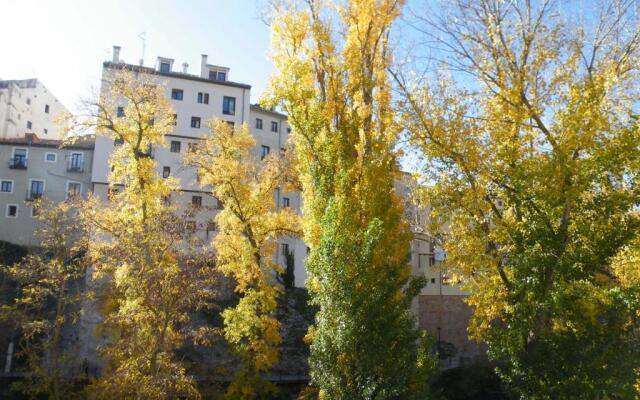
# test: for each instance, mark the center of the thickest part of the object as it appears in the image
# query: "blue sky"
(64, 42)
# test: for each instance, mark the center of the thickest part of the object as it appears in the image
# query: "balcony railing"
(33, 195)
(75, 165)
(18, 163)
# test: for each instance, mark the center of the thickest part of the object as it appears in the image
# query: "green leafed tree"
(332, 82)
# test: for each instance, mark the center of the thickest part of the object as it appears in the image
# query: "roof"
(178, 75)
(257, 107)
(86, 142)
(22, 83)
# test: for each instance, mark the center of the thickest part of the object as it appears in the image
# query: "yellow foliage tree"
(332, 61)
(532, 167)
(141, 245)
(245, 245)
(50, 294)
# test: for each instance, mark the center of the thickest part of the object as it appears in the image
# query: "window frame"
(179, 146)
(166, 169)
(259, 123)
(179, 94)
(44, 186)
(196, 204)
(12, 185)
(46, 109)
(286, 202)
(6, 210)
(69, 184)
(196, 121)
(274, 126)
(226, 105)
(49, 153)
(262, 151)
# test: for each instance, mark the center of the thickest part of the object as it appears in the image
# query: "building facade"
(28, 106)
(34, 168)
(197, 99)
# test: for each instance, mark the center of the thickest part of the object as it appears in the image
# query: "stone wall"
(446, 318)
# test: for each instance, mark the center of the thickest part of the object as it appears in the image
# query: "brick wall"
(447, 317)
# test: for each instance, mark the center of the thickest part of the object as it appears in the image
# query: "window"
(219, 204)
(46, 108)
(175, 146)
(229, 105)
(12, 210)
(176, 94)
(258, 123)
(50, 157)
(217, 75)
(274, 126)
(195, 122)
(196, 201)
(118, 142)
(29, 125)
(45, 131)
(28, 101)
(166, 171)
(36, 189)
(231, 124)
(19, 160)
(264, 152)
(285, 202)
(74, 189)
(203, 98)
(283, 151)
(175, 119)
(211, 227)
(288, 130)
(191, 147)
(112, 193)
(35, 210)
(284, 249)
(120, 112)
(6, 186)
(75, 163)
(191, 226)
(165, 67)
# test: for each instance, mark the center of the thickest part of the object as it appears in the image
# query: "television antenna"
(143, 39)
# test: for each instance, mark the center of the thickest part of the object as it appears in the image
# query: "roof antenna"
(143, 38)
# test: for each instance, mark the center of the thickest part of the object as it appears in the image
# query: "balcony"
(75, 165)
(33, 195)
(18, 163)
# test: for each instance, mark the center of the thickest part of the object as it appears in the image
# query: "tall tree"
(141, 247)
(245, 246)
(332, 82)
(50, 291)
(533, 159)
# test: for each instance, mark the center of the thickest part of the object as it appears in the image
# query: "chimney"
(116, 54)
(203, 66)
(185, 67)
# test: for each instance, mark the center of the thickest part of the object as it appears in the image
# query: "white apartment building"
(33, 168)
(28, 106)
(196, 99)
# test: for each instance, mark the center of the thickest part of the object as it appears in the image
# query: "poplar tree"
(532, 160)
(140, 247)
(332, 82)
(245, 246)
